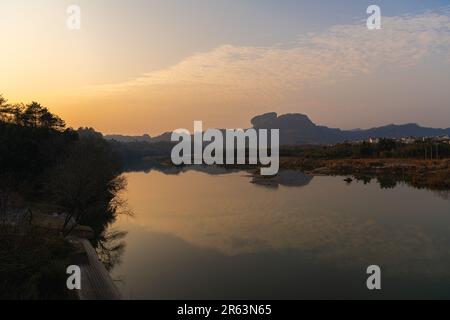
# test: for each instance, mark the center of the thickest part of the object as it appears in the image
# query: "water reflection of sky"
(325, 223)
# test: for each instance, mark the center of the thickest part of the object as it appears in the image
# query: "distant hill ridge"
(298, 129)
(122, 138)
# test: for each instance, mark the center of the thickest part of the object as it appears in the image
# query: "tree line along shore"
(423, 174)
(424, 163)
(49, 172)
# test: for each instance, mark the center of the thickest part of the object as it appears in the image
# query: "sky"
(149, 66)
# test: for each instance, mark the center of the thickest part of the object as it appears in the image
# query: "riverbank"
(419, 173)
(35, 256)
(96, 282)
(430, 174)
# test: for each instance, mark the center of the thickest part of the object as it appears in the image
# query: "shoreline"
(428, 174)
(419, 173)
(96, 282)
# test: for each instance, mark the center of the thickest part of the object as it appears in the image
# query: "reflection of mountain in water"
(175, 170)
(287, 178)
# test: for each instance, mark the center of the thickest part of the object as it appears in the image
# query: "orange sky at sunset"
(130, 73)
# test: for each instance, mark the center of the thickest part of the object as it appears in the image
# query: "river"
(217, 235)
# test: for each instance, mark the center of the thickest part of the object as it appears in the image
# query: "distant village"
(406, 140)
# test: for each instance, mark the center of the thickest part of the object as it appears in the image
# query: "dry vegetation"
(429, 174)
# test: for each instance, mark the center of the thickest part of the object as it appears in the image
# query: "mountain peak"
(298, 129)
(262, 120)
(287, 121)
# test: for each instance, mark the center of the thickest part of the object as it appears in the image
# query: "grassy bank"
(434, 175)
(33, 263)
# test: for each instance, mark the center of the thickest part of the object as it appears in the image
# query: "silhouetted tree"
(35, 115)
(86, 183)
(110, 247)
(5, 109)
(44, 165)
(30, 115)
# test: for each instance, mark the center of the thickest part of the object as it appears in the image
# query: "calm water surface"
(211, 236)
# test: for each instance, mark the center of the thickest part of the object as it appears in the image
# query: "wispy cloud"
(341, 52)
